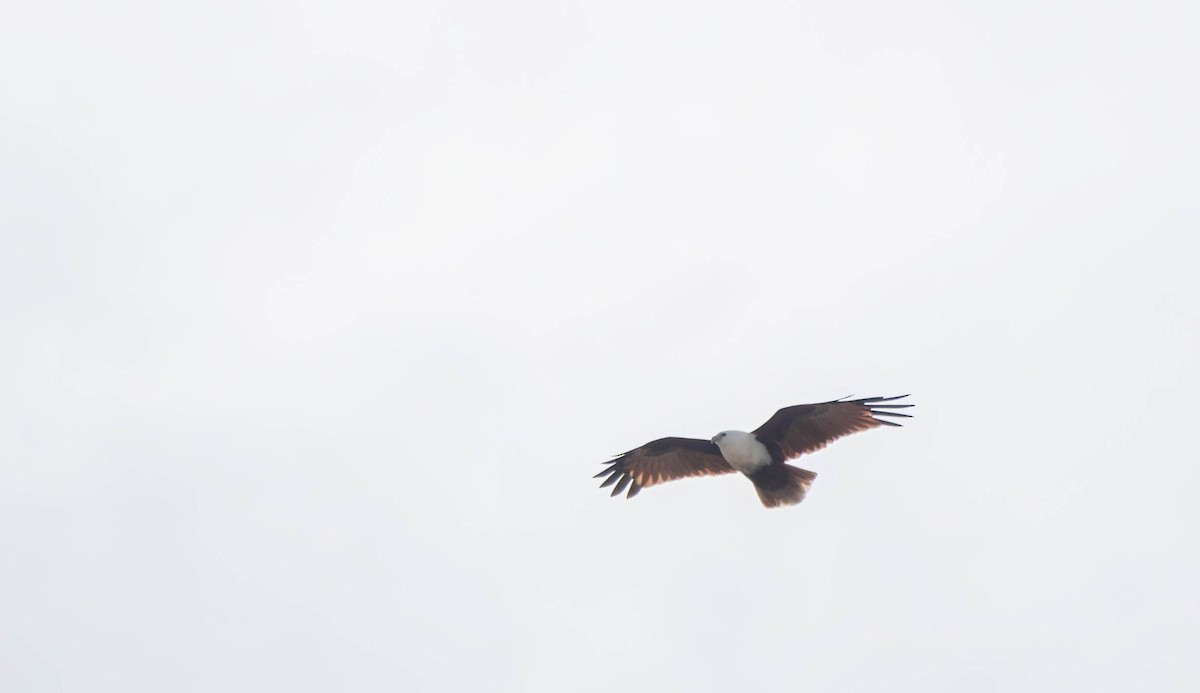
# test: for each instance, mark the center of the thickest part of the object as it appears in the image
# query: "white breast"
(743, 452)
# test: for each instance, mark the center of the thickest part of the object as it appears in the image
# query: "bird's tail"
(782, 484)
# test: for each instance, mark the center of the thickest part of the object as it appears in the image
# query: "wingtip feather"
(873, 400)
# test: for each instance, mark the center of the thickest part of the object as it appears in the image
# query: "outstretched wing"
(804, 428)
(662, 460)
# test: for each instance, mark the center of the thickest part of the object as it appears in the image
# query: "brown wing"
(662, 460)
(805, 428)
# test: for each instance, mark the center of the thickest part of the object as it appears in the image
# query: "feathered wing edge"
(663, 460)
(805, 428)
(618, 474)
(876, 409)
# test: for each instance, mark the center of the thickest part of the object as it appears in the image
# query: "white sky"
(317, 319)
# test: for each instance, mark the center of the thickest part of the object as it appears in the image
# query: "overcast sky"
(318, 318)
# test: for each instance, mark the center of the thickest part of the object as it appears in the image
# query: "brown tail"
(782, 484)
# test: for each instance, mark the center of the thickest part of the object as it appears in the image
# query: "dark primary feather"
(662, 460)
(805, 428)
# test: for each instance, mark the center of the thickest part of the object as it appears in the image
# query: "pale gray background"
(318, 318)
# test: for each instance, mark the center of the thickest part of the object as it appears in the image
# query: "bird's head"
(732, 440)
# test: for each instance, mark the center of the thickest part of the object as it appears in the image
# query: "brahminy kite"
(761, 456)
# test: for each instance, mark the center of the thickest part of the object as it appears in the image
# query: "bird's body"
(760, 456)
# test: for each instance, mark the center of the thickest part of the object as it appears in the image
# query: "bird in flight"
(761, 456)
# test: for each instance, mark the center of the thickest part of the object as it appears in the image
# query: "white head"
(742, 450)
(723, 436)
(732, 439)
